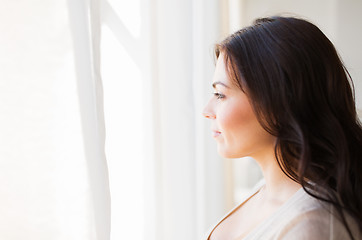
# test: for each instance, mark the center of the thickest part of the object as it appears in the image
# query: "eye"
(219, 95)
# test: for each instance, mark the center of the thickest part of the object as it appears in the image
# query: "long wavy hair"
(302, 93)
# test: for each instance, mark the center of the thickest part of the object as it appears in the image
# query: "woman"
(283, 97)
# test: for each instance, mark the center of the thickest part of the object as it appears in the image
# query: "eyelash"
(219, 95)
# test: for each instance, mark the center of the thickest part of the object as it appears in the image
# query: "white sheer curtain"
(164, 66)
(85, 24)
(53, 168)
(184, 33)
(190, 181)
(53, 171)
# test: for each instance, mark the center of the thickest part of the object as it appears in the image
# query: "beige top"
(302, 217)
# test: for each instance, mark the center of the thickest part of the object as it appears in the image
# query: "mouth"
(215, 133)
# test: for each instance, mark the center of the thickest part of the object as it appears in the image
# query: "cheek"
(237, 116)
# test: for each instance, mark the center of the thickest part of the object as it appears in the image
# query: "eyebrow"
(220, 83)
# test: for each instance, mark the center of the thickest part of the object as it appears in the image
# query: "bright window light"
(123, 119)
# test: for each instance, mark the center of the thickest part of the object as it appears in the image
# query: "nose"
(208, 113)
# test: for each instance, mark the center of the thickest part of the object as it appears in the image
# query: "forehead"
(220, 74)
(225, 75)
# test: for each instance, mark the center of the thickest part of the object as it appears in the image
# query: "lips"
(215, 133)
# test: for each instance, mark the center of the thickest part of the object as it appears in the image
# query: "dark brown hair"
(302, 94)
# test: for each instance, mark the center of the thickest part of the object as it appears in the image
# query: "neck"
(278, 187)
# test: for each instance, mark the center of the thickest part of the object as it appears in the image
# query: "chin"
(228, 154)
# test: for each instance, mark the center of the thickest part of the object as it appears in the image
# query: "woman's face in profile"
(233, 122)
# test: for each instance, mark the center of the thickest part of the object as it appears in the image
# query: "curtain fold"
(85, 21)
(188, 176)
(183, 175)
(53, 173)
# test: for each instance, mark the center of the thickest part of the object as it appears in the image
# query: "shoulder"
(313, 224)
(315, 220)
